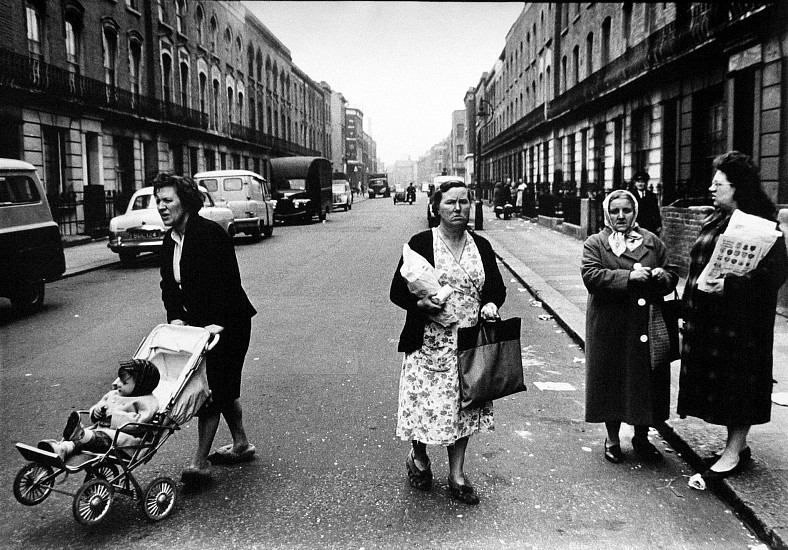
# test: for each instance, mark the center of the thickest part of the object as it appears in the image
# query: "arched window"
(184, 84)
(228, 43)
(564, 85)
(575, 65)
(200, 17)
(74, 45)
(166, 77)
(180, 16)
(230, 101)
(589, 54)
(237, 60)
(135, 66)
(215, 104)
(203, 78)
(110, 51)
(626, 21)
(214, 33)
(605, 46)
(259, 67)
(250, 61)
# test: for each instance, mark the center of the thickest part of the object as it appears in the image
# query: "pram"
(178, 352)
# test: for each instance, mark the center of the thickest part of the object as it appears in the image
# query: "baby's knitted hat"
(146, 375)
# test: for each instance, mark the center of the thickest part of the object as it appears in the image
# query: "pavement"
(546, 262)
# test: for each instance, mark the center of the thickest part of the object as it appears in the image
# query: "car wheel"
(29, 298)
(348, 207)
(257, 235)
(127, 258)
(268, 230)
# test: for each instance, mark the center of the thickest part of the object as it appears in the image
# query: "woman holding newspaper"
(729, 301)
(447, 278)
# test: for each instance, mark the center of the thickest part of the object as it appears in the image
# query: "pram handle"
(212, 342)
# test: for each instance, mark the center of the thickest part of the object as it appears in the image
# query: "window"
(641, 138)
(34, 32)
(135, 61)
(184, 84)
(163, 15)
(215, 105)
(203, 93)
(709, 135)
(626, 21)
(240, 107)
(605, 46)
(589, 54)
(133, 4)
(200, 16)
(460, 151)
(110, 43)
(575, 65)
(238, 53)
(230, 102)
(72, 45)
(17, 189)
(564, 84)
(228, 43)
(180, 12)
(166, 77)
(214, 34)
(600, 133)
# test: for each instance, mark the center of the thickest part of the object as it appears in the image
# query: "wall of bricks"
(680, 229)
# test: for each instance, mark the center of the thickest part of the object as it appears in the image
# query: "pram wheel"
(159, 499)
(33, 483)
(105, 470)
(93, 501)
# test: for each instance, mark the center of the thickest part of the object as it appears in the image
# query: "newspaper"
(745, 242)
(423, 281)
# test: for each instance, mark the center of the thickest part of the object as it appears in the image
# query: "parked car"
(247, 194)
(31, 249)
(343, 195)
(140, 229)
(432, 219)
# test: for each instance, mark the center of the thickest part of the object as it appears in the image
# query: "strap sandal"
(465, 492)
(419, 479)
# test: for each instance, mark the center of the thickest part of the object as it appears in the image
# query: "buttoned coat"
(621, 386)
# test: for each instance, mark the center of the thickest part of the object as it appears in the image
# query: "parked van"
(247, 194)
(31, 250)
(302, 188)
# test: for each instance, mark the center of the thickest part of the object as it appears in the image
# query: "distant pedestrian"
(429, 394)
(649, 216)
(201, 286)
(519, 192)
(626, 273)
(726, 359)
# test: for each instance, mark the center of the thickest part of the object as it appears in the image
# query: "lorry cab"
(31, 250)
(247, 194)
(302, 188)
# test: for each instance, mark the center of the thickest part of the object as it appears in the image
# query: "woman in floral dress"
(429, 394)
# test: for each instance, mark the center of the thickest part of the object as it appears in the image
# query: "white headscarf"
(629, 240)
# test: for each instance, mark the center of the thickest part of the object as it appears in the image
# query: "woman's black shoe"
(419, 479)
(465, 493)
(613, 453)
(645, 450)
(710, 476)
(744, 457)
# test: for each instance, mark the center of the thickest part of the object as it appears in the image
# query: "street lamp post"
(478, 222)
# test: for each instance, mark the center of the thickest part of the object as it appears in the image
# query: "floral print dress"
(429, 389)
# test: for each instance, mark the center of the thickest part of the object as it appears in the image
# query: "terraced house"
(584, 95)
(99, 95)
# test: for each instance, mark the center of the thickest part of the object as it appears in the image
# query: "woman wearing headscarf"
(726, 358)
(625, 271)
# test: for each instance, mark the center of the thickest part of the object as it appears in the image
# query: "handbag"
(489, 361)
(671, 313)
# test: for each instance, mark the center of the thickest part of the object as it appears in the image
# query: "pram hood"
(178, 352)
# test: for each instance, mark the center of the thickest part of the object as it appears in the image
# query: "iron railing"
(78, 214)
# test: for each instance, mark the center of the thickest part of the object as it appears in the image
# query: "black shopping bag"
(489, 361)
(671, 313)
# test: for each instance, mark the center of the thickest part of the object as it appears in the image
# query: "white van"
(247, 194)
(31, 250)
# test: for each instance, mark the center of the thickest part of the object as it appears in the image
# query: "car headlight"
(300, 203)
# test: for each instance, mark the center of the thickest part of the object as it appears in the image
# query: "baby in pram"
(130, 400)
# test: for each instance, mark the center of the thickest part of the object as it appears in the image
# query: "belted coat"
(621, 386)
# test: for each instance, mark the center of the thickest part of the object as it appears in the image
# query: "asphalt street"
(320, 401)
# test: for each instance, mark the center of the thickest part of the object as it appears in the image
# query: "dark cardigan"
(494, 290)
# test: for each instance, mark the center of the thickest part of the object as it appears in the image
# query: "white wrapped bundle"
(423, 281)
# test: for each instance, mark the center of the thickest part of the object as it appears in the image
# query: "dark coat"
(494, 290)
(210, 290)
(621, 386)
(726, 360)
(649, 216)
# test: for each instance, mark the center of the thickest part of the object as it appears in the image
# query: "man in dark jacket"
(649, 216)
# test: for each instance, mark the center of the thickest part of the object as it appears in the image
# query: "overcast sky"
(406, 65)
